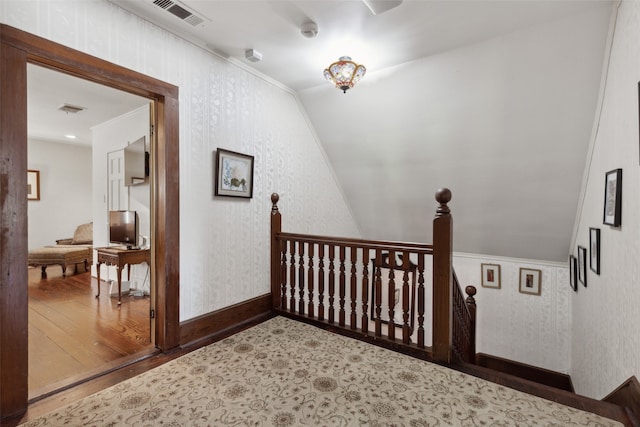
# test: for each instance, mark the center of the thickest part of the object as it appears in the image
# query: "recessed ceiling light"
(70, 136)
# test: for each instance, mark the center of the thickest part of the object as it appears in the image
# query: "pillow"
(83, 234)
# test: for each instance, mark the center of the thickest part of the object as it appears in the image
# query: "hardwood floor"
(73, 335)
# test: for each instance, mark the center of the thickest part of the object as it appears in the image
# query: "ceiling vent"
(180, 11)
(68, 108)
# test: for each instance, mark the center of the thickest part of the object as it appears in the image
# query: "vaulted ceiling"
(495, 100)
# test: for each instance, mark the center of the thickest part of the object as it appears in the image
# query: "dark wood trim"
(443, 279)
(17, 48)
(627, 395)
(605, 409)
(14, 300)
(528, 372)
(225, 320)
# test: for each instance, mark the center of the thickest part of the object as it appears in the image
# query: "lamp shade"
(344, 73)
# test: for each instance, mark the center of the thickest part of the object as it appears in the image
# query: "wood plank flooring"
(73, 335)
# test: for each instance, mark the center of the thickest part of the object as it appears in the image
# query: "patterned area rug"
(285, 373)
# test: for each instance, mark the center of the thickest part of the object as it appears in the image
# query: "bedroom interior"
(549, 328)
(102, 127)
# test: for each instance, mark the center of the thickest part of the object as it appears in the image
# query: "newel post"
(442, 278)
(471, 305)
(276, 228)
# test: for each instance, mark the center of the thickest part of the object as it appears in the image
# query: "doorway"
(72, 124)
(17, 49)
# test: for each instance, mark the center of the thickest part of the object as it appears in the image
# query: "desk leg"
(98, 267)
(120, 284)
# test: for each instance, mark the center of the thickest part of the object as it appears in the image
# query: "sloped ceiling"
(495, 100)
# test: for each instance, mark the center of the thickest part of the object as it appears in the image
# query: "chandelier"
(344, 73)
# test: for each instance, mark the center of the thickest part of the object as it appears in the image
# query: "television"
(123, 228)
(136, 163)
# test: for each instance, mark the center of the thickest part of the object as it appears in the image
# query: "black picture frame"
(582, 265)
(613, 198)
(573, 273)
(594, 250)
(234, 174)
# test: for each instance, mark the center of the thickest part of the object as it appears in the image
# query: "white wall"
(605, 335)
(224, 242)
(65, 191)
(110, 136)
(531, 329)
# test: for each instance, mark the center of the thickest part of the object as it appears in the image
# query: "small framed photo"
(530, 281)
(573, 273)
(582, 265)
(613, 198)
(490, 276)
(594, 250)
(33, 185)
(234, 174)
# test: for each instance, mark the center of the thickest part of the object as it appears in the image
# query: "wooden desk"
(120, 257)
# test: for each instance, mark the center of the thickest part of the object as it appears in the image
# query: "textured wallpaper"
(532, 329)
(605, 337)
(224, 256)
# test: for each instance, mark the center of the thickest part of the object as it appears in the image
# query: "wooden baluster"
(310, 284)
(471, 304)
(378, 291)
(343, 286)
(301, 278)
(365, 290)
(321, 281)
(405, 298)
(292, 276)
(276, 228)
(391, 292)
(442, 278)
(332, 283)
(421, 301)
(354, 287)
(283, 274)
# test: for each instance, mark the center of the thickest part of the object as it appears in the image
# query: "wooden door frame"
(17, 48)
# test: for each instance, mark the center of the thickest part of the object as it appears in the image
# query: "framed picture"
(573, 273)
(594, 250)
(490, 276)
(234, 174)
(33, 185)
(530, 281)
(613, 198)
(582, 265)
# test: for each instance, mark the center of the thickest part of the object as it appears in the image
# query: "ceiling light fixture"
(344, 73)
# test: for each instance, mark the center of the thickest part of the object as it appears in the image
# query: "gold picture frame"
(33, 184)
(530, 281)
(490, 275)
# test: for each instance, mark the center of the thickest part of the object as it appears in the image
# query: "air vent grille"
(163, 3)
(194, 20)
(179, 11)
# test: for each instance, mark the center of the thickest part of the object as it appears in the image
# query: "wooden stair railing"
(376, 290)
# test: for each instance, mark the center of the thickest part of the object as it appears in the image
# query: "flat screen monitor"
(123, 228)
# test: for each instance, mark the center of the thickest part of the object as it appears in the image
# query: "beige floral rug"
(286, 373)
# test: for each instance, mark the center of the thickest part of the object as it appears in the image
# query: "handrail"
(464, 317)
(421, 248)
